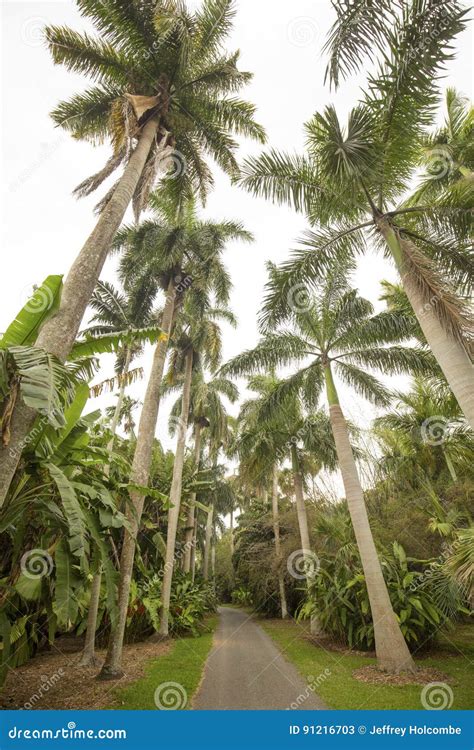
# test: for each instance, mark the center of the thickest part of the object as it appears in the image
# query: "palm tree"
(257, 447)
(448, 157)
(429, 430)
(178, 253)
(132, 316)
(125, 417)
(162, 81)
(340, 334)
(197, 338)
(352, 180)
(292, 432)
(206, 411)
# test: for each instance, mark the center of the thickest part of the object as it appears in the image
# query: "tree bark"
(213, 561)
(451, 355)
(139, 475)
(189, 536)
(175, 496)
(88, 657)
(232, 531)
(390, 646)
(276, 534)
(59, 332)
(193, 549)
(207, 543)
(315, 627)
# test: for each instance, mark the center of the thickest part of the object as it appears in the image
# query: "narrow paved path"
(245, 670)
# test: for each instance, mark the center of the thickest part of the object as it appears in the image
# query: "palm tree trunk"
(207, 543)
(189, 537)
(276, 534)
(232, 531)
(139, 475)
(451, 355)
(390, 646)
(304, 531)
(59, 332)
(213, 561)
(88, 658)
(175, 496)
(193, 548)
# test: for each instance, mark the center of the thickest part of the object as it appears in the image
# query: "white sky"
(44, 227)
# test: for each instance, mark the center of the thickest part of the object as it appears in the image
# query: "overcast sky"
(44, 227)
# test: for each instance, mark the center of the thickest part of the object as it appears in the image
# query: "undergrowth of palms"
(423, 595)
(190, 602)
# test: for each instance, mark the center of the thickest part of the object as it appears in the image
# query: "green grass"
(341, 690)
(182, 665)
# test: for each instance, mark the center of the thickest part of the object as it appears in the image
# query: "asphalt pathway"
(245, 670)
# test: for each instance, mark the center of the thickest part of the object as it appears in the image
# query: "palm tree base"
(389, 667)
(89, 660)
(110, 673)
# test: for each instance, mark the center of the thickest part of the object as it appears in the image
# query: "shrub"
(339, 597)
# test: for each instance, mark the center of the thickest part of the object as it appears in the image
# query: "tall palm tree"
(353, 179)
(206, 411)
(292, 432)
(178, 253)
(197, 338)
(132, 316)
(257, 447)
(161, 97)
(340, 334)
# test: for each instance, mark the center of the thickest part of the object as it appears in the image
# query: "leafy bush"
(189, 603)
(242, 596)
(339, 598)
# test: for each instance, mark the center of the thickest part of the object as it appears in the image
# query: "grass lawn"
(183, 665)
(339, 689)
